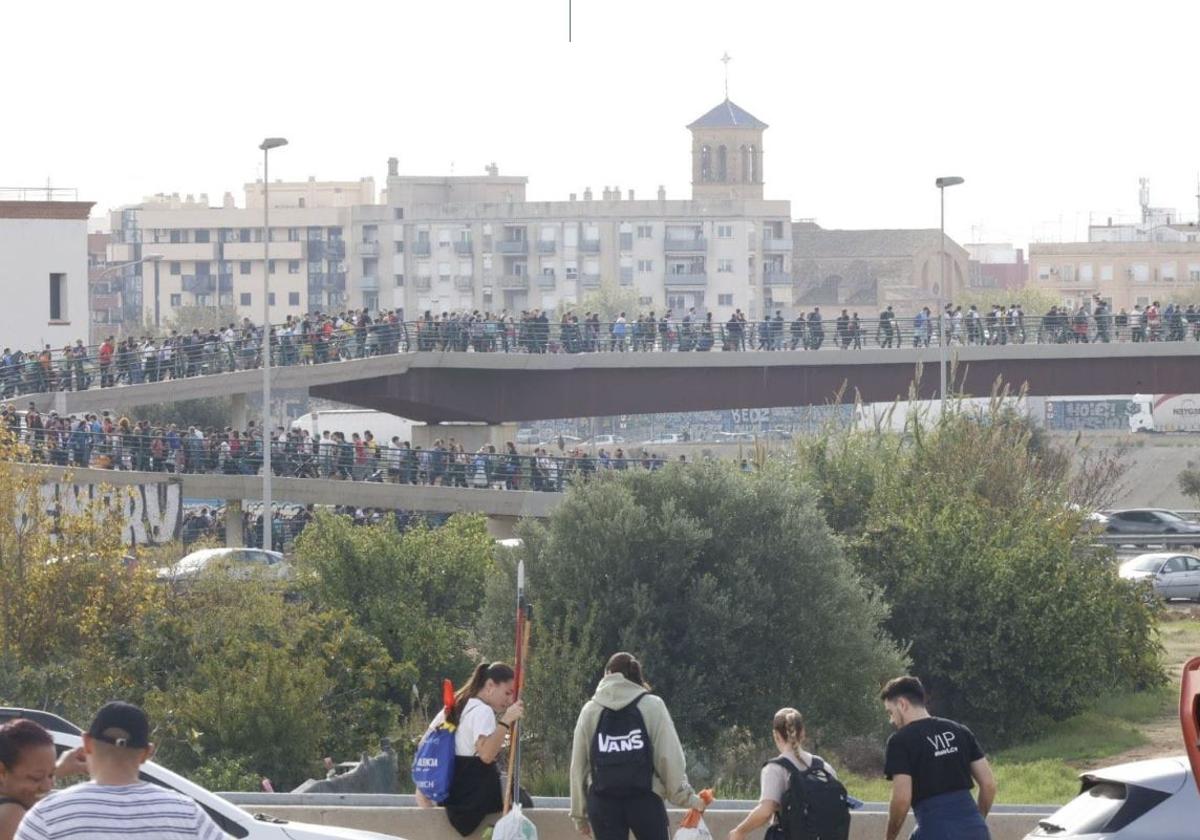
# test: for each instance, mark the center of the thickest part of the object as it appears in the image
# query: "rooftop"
(728, 115)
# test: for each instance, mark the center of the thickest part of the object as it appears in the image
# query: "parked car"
(664, 440)
(1172, 575)
(1143, 800)
(238, 563)
(606, 440)
(1149, 521)
(230, 818)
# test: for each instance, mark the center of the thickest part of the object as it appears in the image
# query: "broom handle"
(512, 733)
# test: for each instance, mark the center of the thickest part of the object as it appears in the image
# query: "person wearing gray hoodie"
(626, 759)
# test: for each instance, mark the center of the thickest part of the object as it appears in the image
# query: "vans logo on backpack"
(621, 743)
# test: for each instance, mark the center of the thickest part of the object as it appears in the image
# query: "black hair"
(497, 672)
(19, 735)
(910, 688)
(626, 665)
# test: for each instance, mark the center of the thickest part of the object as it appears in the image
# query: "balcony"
(335, 249)
(777, 278)
(626, 275)
(518, 246)
(369, 283)
(197, 285)
(464, 247)
(420, 248)
(464, 283)
(514, 281)
(189, 252)
(424, 284)
(690, 279)
(699, 243)
(589, 281)
(770, 243)
(590, 246)
(368, 249)
(545, 281)
(626, 242)
(119, 252)
(547, 246)
(226, 282)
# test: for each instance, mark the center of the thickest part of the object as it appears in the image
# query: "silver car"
(1149, 521)
(1172, 575)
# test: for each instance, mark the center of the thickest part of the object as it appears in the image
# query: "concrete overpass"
(503, 507)
(507, 387)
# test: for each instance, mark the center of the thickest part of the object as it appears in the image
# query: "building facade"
(44, 273)
(996, 265)
(1122, 273)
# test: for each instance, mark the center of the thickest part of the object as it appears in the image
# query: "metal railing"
(321, 338)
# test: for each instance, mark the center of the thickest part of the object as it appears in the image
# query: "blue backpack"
(433, 765)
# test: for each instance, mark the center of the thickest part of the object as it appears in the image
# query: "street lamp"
(942, 183)
(268, 520)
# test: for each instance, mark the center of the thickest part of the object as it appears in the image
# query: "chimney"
(312, 179)
(587, 193)
(393, 167)
(662, 193)
(191, 199)
(572, 197)
(631, 195)
(604, 194)
(616, 194)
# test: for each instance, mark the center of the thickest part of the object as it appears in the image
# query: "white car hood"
(305, 831)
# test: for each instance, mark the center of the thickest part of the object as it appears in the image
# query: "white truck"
(347, 421)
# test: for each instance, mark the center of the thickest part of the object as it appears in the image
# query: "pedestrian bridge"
(453, 386)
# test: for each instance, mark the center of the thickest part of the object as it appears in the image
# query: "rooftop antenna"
(1144, 198)
(725, 59)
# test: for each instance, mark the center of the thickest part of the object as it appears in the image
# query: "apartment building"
(478, 243)
(1123, 273)
(177, 252)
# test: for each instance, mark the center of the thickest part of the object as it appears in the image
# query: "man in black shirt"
(933, 763)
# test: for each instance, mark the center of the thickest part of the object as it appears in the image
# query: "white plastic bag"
(698, 832)
(514, 826)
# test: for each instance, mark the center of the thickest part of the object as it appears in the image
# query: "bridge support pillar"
(470, 435)
(501, 527)
(235, 536)
(238, 420)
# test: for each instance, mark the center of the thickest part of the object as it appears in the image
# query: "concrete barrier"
(554, 824)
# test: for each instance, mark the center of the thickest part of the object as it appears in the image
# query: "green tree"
(969, 530)
(729, 586)
(610, 300)
(418, 592)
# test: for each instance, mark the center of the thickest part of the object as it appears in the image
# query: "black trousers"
(612, 818)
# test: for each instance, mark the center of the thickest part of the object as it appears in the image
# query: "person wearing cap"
(115, 804)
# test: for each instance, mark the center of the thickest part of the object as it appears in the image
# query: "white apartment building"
(43, 271)
(452, 243)
(465, 243)
(184, 252)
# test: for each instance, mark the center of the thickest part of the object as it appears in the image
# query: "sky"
(1050, 110)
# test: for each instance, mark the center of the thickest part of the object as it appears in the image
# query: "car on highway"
(229, 818)
(664, 440)
(1157, 799)
(606, 440)
(1149, 521)
(1171, 574)
(237, 563)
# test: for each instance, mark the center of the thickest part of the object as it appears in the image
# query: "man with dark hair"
(933, 763)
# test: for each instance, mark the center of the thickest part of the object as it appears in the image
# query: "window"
(399, 246)
(243, 234)
(444, 237)
(293, 235)
(1106, 272)
(177, 237)
(176, 299)
(271, 299)
(201, 236)
(725, 266)
(245, 299)
(1140, 272)
(572, 270)
(444, 269)
(293, 266)
(370, 233)
(271, 266)
(293, 298)
(1085, 273)
(244, 266)
(1166, 272)
(645, 231)
(1194, 272)
(1044, 272)
(725, 300)
(645, 301)
(397, 213)
(398, 279)
(645, 266)
(724, 231)
(58, 297)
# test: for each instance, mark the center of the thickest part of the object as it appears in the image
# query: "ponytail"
(497, 672)
(627, 666)
(789, 725)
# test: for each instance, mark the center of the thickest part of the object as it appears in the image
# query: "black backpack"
(622, 759)
(814, 805)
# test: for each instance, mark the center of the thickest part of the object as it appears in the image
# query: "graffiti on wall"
(151, 514)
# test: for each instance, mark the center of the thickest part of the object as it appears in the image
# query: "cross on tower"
(725, 59)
